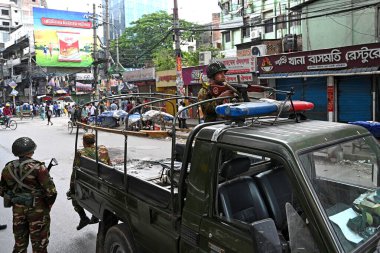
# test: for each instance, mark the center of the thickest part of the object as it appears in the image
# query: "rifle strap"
(21, 178)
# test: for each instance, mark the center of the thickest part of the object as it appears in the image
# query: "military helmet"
(89, 138)
(23, 146)
(214, 68)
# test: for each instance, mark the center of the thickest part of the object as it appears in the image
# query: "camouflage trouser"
(75, 204)
(33, 221)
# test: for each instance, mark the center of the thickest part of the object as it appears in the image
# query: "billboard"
(62, 38)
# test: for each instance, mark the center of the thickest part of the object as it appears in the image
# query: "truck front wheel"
(119, 240)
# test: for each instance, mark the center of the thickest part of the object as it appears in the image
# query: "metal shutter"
(354, 98)
(311, 90)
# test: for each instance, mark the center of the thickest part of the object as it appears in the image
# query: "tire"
(4, 125)
(12, 125)
(70, 127)
(119, 240)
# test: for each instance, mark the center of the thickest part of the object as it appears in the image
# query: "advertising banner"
(358, 56)
(62, 38)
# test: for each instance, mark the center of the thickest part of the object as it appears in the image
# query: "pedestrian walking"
(183, 116)
(42, 111)
(28, 188)
(49, 113)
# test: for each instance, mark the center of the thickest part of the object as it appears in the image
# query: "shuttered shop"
(354, 98)
(313, 89)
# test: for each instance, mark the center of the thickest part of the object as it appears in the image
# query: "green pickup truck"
(259, 184)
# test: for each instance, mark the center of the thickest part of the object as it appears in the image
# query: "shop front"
(83, 88)
(191, 79)
(143, 79)
(341, 82)
(166, 83)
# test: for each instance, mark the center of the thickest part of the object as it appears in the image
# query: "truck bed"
(145, 186)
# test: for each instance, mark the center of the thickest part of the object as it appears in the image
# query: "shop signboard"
(84, 76)
(239, 65)
(358, 56)
(239, 78)
(62, 38)
(139, 75)
(166, 78)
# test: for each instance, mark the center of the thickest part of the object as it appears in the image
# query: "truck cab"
(256, 184)
(281, 188)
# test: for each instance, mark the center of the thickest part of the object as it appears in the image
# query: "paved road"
(54, 141)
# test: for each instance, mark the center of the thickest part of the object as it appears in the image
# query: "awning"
(342, 72)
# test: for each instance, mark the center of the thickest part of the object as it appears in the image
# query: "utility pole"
(30, 72)
(95, 56)
(179, 80)
(107, 37)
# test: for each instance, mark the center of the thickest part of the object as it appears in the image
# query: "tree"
(150, 39)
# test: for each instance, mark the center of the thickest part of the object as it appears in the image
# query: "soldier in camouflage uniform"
(89, 150)
(27, 186)
(215, 72)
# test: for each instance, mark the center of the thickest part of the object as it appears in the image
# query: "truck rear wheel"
(119, 240)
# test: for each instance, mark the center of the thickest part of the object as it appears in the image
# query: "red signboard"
(66, 23)
(330, 98)
(359, 56)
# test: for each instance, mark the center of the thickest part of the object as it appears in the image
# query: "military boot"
(83, 222)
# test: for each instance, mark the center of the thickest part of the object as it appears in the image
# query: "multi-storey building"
(123, 12)
(252, 22)
(18, 45)
(10, 19)
(339, 68)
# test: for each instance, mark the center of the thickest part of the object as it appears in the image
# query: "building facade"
(339, 68)
(123, 12)
(252, 22)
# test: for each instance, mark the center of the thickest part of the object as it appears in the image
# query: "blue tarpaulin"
(373, 127)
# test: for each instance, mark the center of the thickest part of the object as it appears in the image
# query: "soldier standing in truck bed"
(27, 186)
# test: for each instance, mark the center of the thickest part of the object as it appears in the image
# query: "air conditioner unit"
(256, 34)
(290, 43)
(259, 50)
(204, 57)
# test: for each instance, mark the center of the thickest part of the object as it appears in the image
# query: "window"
(296, 17)
(5, 12)
(5, 23)
(268, 25)
(16, 23)
(245, 32)
(16, 11)
(280, 22)
(227, 36)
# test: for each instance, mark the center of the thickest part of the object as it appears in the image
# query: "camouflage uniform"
(91, 153)
(31, 216)
(208, 109)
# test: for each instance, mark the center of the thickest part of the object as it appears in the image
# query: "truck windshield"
(345, 178)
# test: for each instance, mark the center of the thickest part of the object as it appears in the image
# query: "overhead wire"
(280, 22)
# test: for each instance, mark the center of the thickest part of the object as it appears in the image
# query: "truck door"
(237, 219)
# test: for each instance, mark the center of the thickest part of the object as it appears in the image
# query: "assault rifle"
(53, 162)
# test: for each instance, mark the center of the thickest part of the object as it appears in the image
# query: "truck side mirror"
(265, 236)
